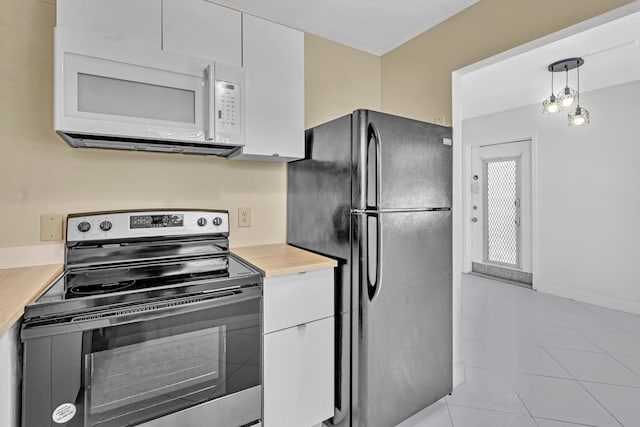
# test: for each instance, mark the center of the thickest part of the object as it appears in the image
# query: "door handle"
(210, 88)
(373, 134)
(373, 289)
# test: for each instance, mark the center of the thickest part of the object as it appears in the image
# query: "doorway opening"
(501, 211)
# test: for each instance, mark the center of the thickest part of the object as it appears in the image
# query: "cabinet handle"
(302, 326)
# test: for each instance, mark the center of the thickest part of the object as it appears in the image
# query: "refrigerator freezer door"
(403, 347)
(400, 163)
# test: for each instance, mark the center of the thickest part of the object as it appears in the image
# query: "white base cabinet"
(10, 369)
(298, 376)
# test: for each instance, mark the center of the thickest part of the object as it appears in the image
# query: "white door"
(501, 209)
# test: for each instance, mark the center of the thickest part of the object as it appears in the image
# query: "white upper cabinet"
(273, 59)
(271, 55)
(128, 21)
(201, 28)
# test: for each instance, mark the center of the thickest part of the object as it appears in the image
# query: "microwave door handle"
(210, 92)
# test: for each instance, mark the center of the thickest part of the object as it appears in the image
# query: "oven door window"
(140, 371)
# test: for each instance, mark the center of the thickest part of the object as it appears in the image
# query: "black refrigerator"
(374, 192)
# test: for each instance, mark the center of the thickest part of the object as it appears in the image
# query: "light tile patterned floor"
(537, 360)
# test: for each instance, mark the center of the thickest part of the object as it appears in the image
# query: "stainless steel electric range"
(153, 323)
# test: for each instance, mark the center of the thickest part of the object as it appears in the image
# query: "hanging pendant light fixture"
(579, 116)
(552, 104)
(567, 96)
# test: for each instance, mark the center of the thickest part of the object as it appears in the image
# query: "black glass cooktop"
(123, 279)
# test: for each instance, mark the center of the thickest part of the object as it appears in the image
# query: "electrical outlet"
(244, 217)
(51, 227)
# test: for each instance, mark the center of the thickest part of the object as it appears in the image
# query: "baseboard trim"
(508, 274)
(589, 297)
(459, 374)
(26, 256)
(499, 279)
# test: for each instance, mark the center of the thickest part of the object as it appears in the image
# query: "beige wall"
(416, 77)
(338, 80)
(40, 174)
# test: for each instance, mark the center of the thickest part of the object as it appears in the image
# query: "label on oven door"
(64, 413)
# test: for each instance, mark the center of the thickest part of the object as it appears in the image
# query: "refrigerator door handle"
(374, 135)
(373, 288)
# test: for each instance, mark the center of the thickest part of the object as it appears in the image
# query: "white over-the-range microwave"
(115, 96)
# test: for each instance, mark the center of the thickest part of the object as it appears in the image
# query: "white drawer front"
(297, 298)
(299, 375)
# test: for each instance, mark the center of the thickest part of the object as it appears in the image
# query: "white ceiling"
(375, 26)
(611, 52)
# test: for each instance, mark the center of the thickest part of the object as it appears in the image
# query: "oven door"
(198, 358)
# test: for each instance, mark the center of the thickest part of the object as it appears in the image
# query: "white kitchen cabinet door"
(299, 375)
(10, 377)
(203, 29)
(273, 59)
(137, 22)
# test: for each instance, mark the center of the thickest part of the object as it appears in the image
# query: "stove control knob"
(84, 226)
(217, 221)
(105, 225)
(202, 222)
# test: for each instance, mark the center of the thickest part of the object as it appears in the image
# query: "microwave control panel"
(227, 107)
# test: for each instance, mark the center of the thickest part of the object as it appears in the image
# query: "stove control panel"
(140, 224)
(152, 221)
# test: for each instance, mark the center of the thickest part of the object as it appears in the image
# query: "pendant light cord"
(578, 91)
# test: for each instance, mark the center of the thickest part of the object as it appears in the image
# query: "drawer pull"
(301, 326)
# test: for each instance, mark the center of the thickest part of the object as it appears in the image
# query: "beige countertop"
(282, 259)
(21, 286)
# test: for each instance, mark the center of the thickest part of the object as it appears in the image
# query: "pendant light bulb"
(551, 105)
(578, 117)
(567, 96)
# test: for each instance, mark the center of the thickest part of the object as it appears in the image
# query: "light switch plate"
(51, 227)
(244, 217)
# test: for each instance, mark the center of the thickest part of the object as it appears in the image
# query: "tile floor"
(534, 359)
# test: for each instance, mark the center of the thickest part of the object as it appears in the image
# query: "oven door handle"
(143, 312)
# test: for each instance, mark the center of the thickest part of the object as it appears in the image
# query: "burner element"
(104, 288)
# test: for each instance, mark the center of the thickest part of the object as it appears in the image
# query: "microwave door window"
(119, 97)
